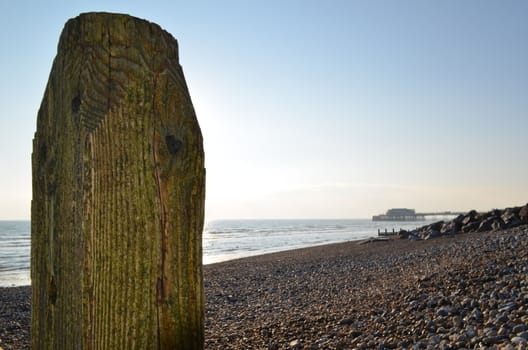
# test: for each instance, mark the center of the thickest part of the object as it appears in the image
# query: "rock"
(266, 332)
(491, 340)
(471, 331)
(231, 298)
(518, 340)
(523, 214)
(402, 344)
(494, 213)
(476, 314)
(346, 321)
(449, 228)
(523, 335)
(295, 344)
(273, 346)
(470, 227)
(447, 310)
(403, 234)
(486, 224)
(508, 307)
(510, 219)
(459, 219)
(519, 328)
(432, 234)
(469, 217)
(443, 311)
(413, 237)
(503, 331)
(498, 224)
(471, 222)
(420, 345)
(436, 226)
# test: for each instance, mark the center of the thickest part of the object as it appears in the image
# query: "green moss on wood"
(118, 193)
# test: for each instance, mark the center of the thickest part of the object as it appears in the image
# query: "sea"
(222, 240)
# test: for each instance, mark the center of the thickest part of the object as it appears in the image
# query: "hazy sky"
(323, 109)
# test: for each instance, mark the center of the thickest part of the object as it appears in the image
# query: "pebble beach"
(464, 291)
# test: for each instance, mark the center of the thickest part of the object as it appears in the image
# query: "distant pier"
(404, 214)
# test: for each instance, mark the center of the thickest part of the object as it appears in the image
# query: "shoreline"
(223, 242)
(394, 293)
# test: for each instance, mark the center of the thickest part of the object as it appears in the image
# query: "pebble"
(463, 294)
(346, 321)
(517, 340)
(295, 344)
(519, 328)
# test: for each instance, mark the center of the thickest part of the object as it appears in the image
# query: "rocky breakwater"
(473, 221)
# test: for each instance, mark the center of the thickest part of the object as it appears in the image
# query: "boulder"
(523, 214)
(436, 226)
(471, 227)
(432, 234)
(450, 228)
(413, 236)
(513, 210)
(403, 234)
(494, 212)
(459, 219)
(486, 224)
(469, 217)
(510, 219)
(497, 225)
(473, 221)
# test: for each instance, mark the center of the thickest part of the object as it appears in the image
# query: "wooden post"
(118, 193)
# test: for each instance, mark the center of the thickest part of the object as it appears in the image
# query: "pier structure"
(405, 214)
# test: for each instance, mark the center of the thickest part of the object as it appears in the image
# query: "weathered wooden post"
(118, 193)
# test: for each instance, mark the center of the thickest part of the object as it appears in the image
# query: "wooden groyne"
(118, 194)
(387, 233)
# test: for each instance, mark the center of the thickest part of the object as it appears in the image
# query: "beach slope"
(466, 290)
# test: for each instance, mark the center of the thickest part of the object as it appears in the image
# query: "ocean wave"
(222, 240)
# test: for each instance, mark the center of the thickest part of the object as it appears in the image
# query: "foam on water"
(232, 239)
(14, 253)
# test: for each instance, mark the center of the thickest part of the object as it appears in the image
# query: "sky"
(315, 109)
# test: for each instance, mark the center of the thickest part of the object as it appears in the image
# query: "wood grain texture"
(118, 193)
